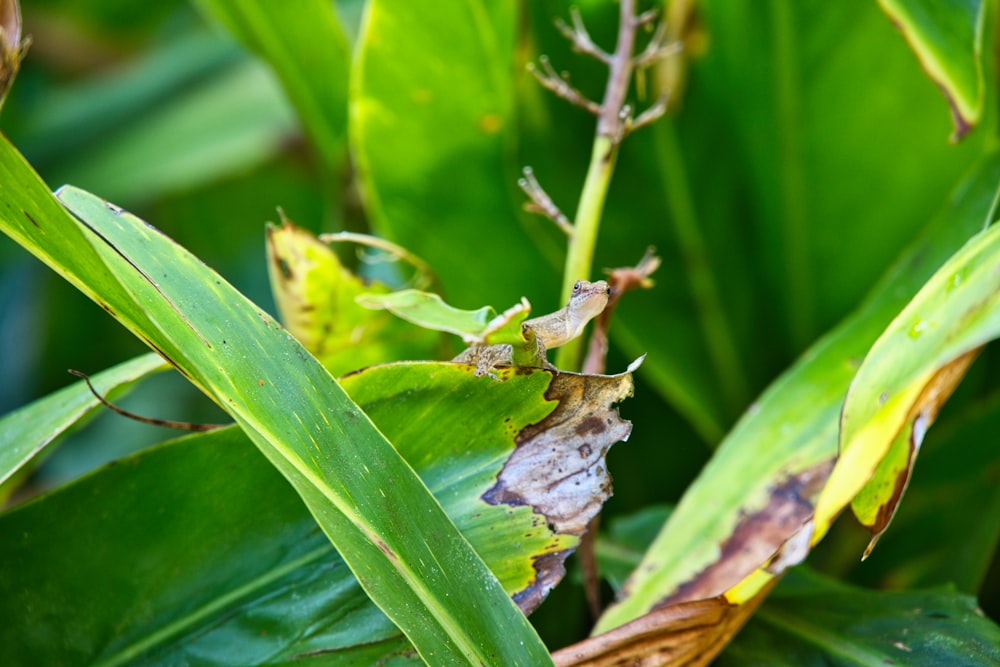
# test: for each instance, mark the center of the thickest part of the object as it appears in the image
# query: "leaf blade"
(169, 302)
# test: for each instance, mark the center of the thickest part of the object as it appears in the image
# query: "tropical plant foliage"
(819, 181)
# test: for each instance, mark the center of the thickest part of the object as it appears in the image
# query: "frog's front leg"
(536, 349)
(487, 357)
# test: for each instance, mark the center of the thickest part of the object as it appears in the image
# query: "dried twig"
(580, 37)
(168, 423)
(557, 83)
(621, 280)
(649, 116)
(541, 203)
(616, 119)
(657, 48)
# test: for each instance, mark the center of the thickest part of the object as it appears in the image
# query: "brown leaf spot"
(591, 425)
(758, 536)
(922, 414)
(559, 474)
(550, 571)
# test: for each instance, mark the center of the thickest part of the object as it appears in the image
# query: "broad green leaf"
(928, 545)
(195, 103)
(762, 484)
(25, 433)
(304, 44)
(429, 310)
(316, 298)
(354, 482)
(905, 378)
(205, 133)
(753, 245)
(243, 551)
(812, 620)
(948, 39)
(356, 487)
(432, 126)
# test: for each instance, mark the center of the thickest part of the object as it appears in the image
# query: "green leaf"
(432, 126)
(204, 134)
(429, 310)
(316, 298)
(905, 378)
(304, 44)
(762, 485)
(812, 620)
(194, 103)
(352, 479)
(257, 581)
(958, 470)
(27, 432)
(948, 39)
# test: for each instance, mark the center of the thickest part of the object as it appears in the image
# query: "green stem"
(610, 131)
(580, 257)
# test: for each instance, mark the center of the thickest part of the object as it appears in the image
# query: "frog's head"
(588, 300)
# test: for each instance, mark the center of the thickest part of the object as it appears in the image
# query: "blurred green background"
(807, 151)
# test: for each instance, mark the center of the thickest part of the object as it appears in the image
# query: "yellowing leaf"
(316, 295)
(947, 37)
(876, 503)
(908, 373)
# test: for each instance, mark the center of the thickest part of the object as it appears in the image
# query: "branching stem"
(615, 119)
(610, 131)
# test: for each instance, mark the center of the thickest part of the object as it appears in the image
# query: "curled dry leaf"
(905, 378)
(558, 466)
(876, 503)
(689, 634)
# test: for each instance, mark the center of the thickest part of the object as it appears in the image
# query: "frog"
(540, 334)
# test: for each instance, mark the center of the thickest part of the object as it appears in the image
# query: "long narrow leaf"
(948, 39)
(408, 555)
(905, 378)
(25, 433)
(304, 44)
(763, 483)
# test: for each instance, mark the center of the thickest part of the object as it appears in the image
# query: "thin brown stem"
(580, 37)
(609, 122)
(541, 203)
(557, 83)
(167, 423)
(589, 569)
(621, 280)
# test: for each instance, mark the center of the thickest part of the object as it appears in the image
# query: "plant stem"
(610, 130)
(580, 256)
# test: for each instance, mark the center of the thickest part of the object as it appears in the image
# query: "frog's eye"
(576, 286)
